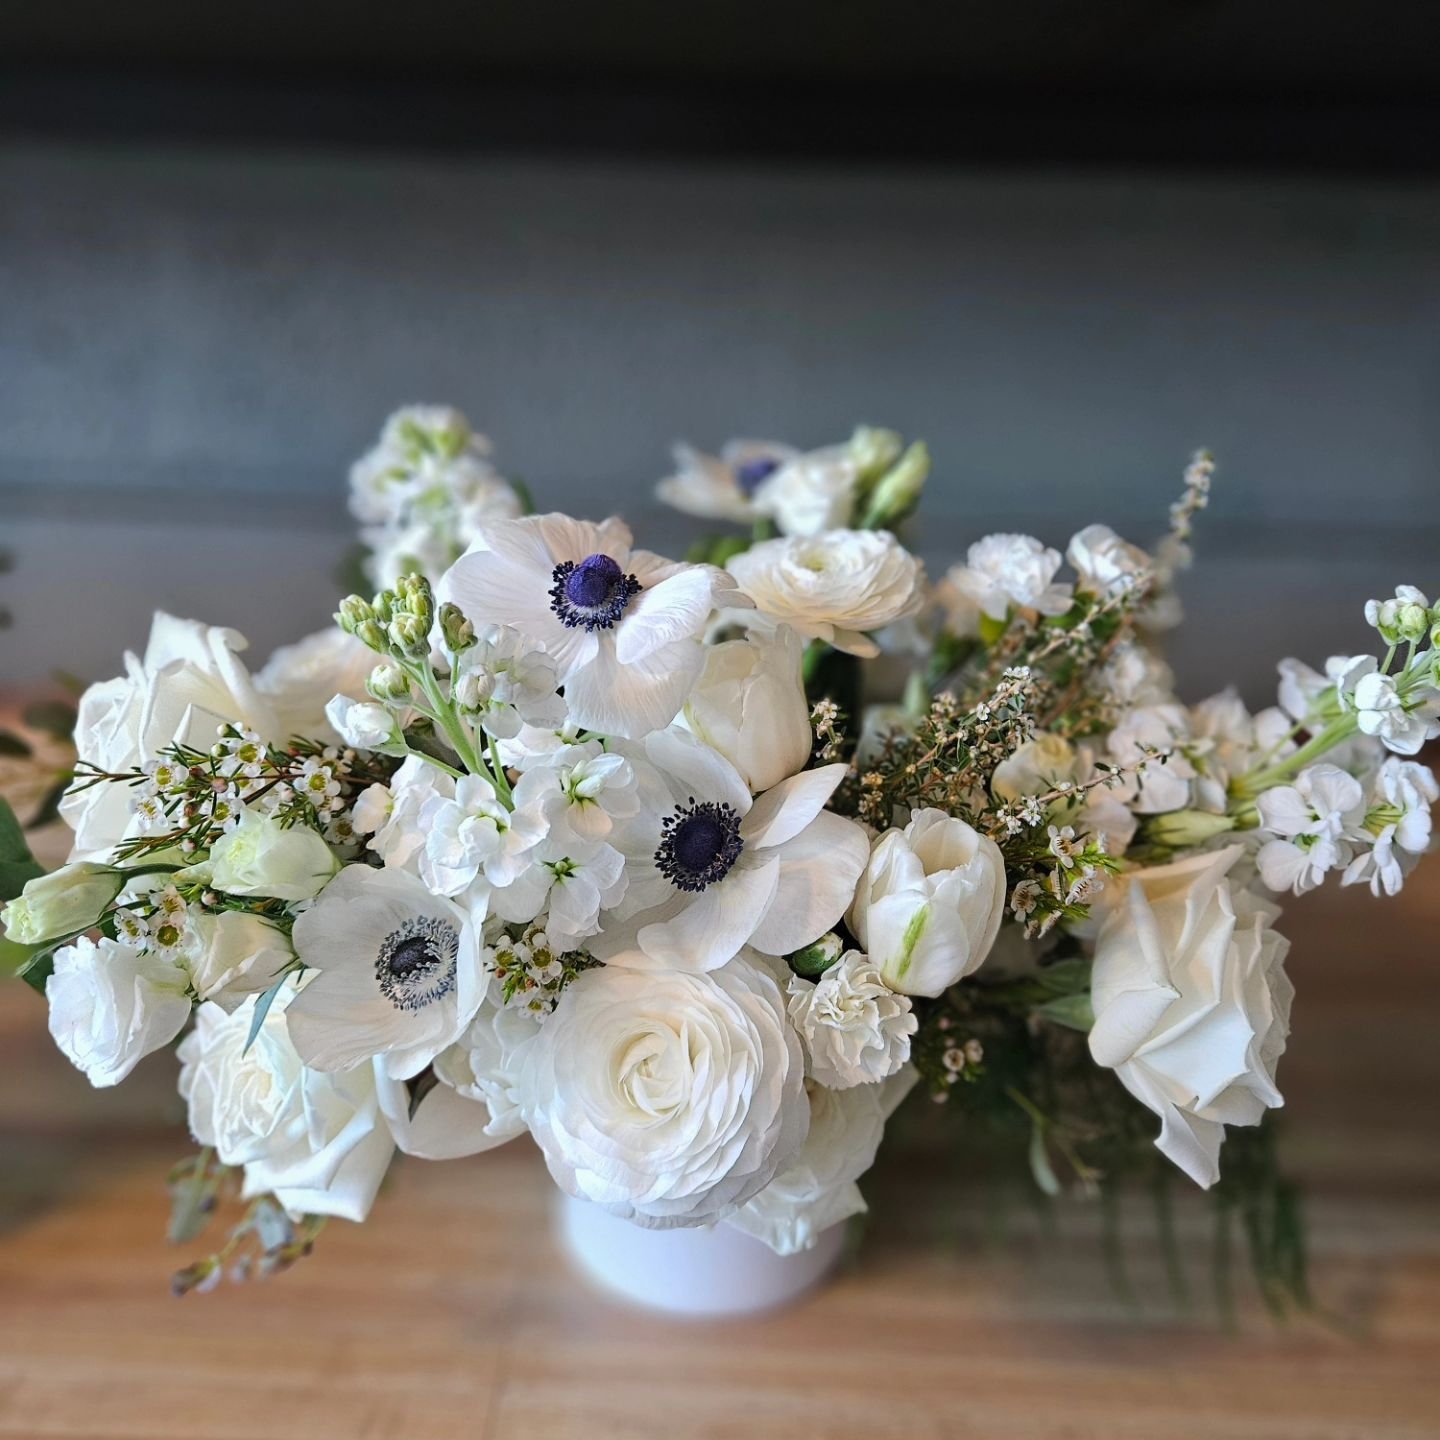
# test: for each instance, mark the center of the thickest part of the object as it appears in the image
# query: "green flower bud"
(816, 959)
(384, 606)
(898, 492)
(388, 682)
(410, 635)
(459, 633)
(874, 452)
(371, 634)
(352, 613)
(1185, 829)
(64, 902)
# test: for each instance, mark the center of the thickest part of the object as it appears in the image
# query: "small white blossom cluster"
(565, 848)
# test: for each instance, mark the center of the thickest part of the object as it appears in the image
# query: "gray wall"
(193, 346)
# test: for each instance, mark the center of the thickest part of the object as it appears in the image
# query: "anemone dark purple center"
(591, 594)
(415, 963)
(699, 842)
(751, 474)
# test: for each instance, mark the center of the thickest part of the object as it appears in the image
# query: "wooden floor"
(451, 1313)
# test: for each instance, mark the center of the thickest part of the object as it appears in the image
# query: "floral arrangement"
(554, 835)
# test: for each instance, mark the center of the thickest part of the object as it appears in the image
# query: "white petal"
(819, 869)
(697, 770)
(672, 610)
(784, 810)
(713, 927)
(631, 700)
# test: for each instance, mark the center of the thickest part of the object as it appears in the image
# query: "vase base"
(716, 1272)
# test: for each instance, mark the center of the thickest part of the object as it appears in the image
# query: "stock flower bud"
(409, 634)
(64, 902)
(366, 727)
(353, 613)
(1404, 619)
(388, 682)
(459, 633)
(371, 634)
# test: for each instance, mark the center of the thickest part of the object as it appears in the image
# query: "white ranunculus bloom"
(817, 1189)
(1105, 563)
(709, 869)
(834, 586)
(233, 955)
(856, 1029)
(400, 973)
(1005, 570)
(749, 704)
(390, 815)
(1314, 822)
(63, 902)
(111, 1005)
(300, 680)
(622, 625)
(669, 1098)
(930, 902)
(1192, 1004)
(724, 486)
(365, 725)
(190, 681)
(317, 1142)
(486, 1062)
(812, 493)
(260, 856)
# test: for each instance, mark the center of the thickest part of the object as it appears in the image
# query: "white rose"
(1192, 1004)
(833, 586)
(235, 955)
(930, 902)
(749, 704)
(1105, 563)
(668, 1098)
(317, 1142)
(260, 856)
(856, 1029)
(813, 492)
(299, 680)
(111, 1005)
(63, 902)
(190, 682)
(817, 1189)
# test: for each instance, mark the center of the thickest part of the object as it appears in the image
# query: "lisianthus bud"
(263, 857)
(1186, 829)
(64, 902)
(898, 492)
(874, 451)
(815, 959)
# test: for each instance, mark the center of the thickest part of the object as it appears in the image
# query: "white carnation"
(856, 1028)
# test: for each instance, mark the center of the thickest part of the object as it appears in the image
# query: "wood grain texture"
(451, 1313)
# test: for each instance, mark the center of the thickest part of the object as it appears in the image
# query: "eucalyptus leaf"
(17, 865)
(262, 1009)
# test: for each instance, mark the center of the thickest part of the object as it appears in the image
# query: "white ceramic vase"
(715, 1272)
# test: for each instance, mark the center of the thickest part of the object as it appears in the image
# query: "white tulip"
(263, 857)
(1192, 1003)
(930, 902)
(749, 704)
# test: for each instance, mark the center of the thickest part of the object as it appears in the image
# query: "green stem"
(1257, 781)
(502, 780)
(815, 653)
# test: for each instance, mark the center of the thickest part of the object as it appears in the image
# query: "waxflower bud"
(899, 491)
(65, 902)
(874, 451)
(459, 633)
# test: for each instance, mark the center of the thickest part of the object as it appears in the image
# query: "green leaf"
(17, 865)
(38, 970)
(11, 744)
(51, 717)
(1073, 1011)
(1040, 1166)
(48, 811)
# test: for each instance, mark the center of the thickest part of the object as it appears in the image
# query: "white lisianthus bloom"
(812, 493)
(749, 705)
(1035, 767)
(300, 680)
(190, 682)
(1314, 821)
(473, 841)
(316, 1141)
(834, 586)
(856, 1029)
(710, 870)
(233, 955)
(263, 857)
(365, 725)
(1192, 1004)
(1162, 785)
(400, 973)
(724, 486)
(113, 1004)
(580, 791)
(621, 624)
(666, 1097)
(930, 903)
(507, 684)
(1399, 724)
(63, 902)
(1399, 821)
(817, 1189)
(1005, 570)
(1106, 564)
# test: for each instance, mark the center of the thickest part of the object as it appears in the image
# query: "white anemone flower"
(724, 486)
(711, 870)
(400, 974)
(622, 625)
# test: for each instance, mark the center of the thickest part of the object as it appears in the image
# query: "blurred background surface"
(1064, 243)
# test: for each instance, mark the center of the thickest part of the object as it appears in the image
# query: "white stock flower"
(930, 902)
(573, 882)
(711, 870)
(723, 487)
(1399, 724)
(620, 624)
(365, 725)
(1005, 570)
(316, 1141)
(1399, 821)
(473, 841)
(1314, 820)
(1135, 675)
(508, 684)
(399, 973)
(1152, 731)
(817, 1189)
(1300, 688)
(856, 1029)
(190, 682)
(1106, 564)
(666, 1097)
(233, 955)
(390, 815)
(749, 705)
(1405, 618)
(263, 857)
(834, 586)
(1192, 1004)
(113, 1004)
(580, 791)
